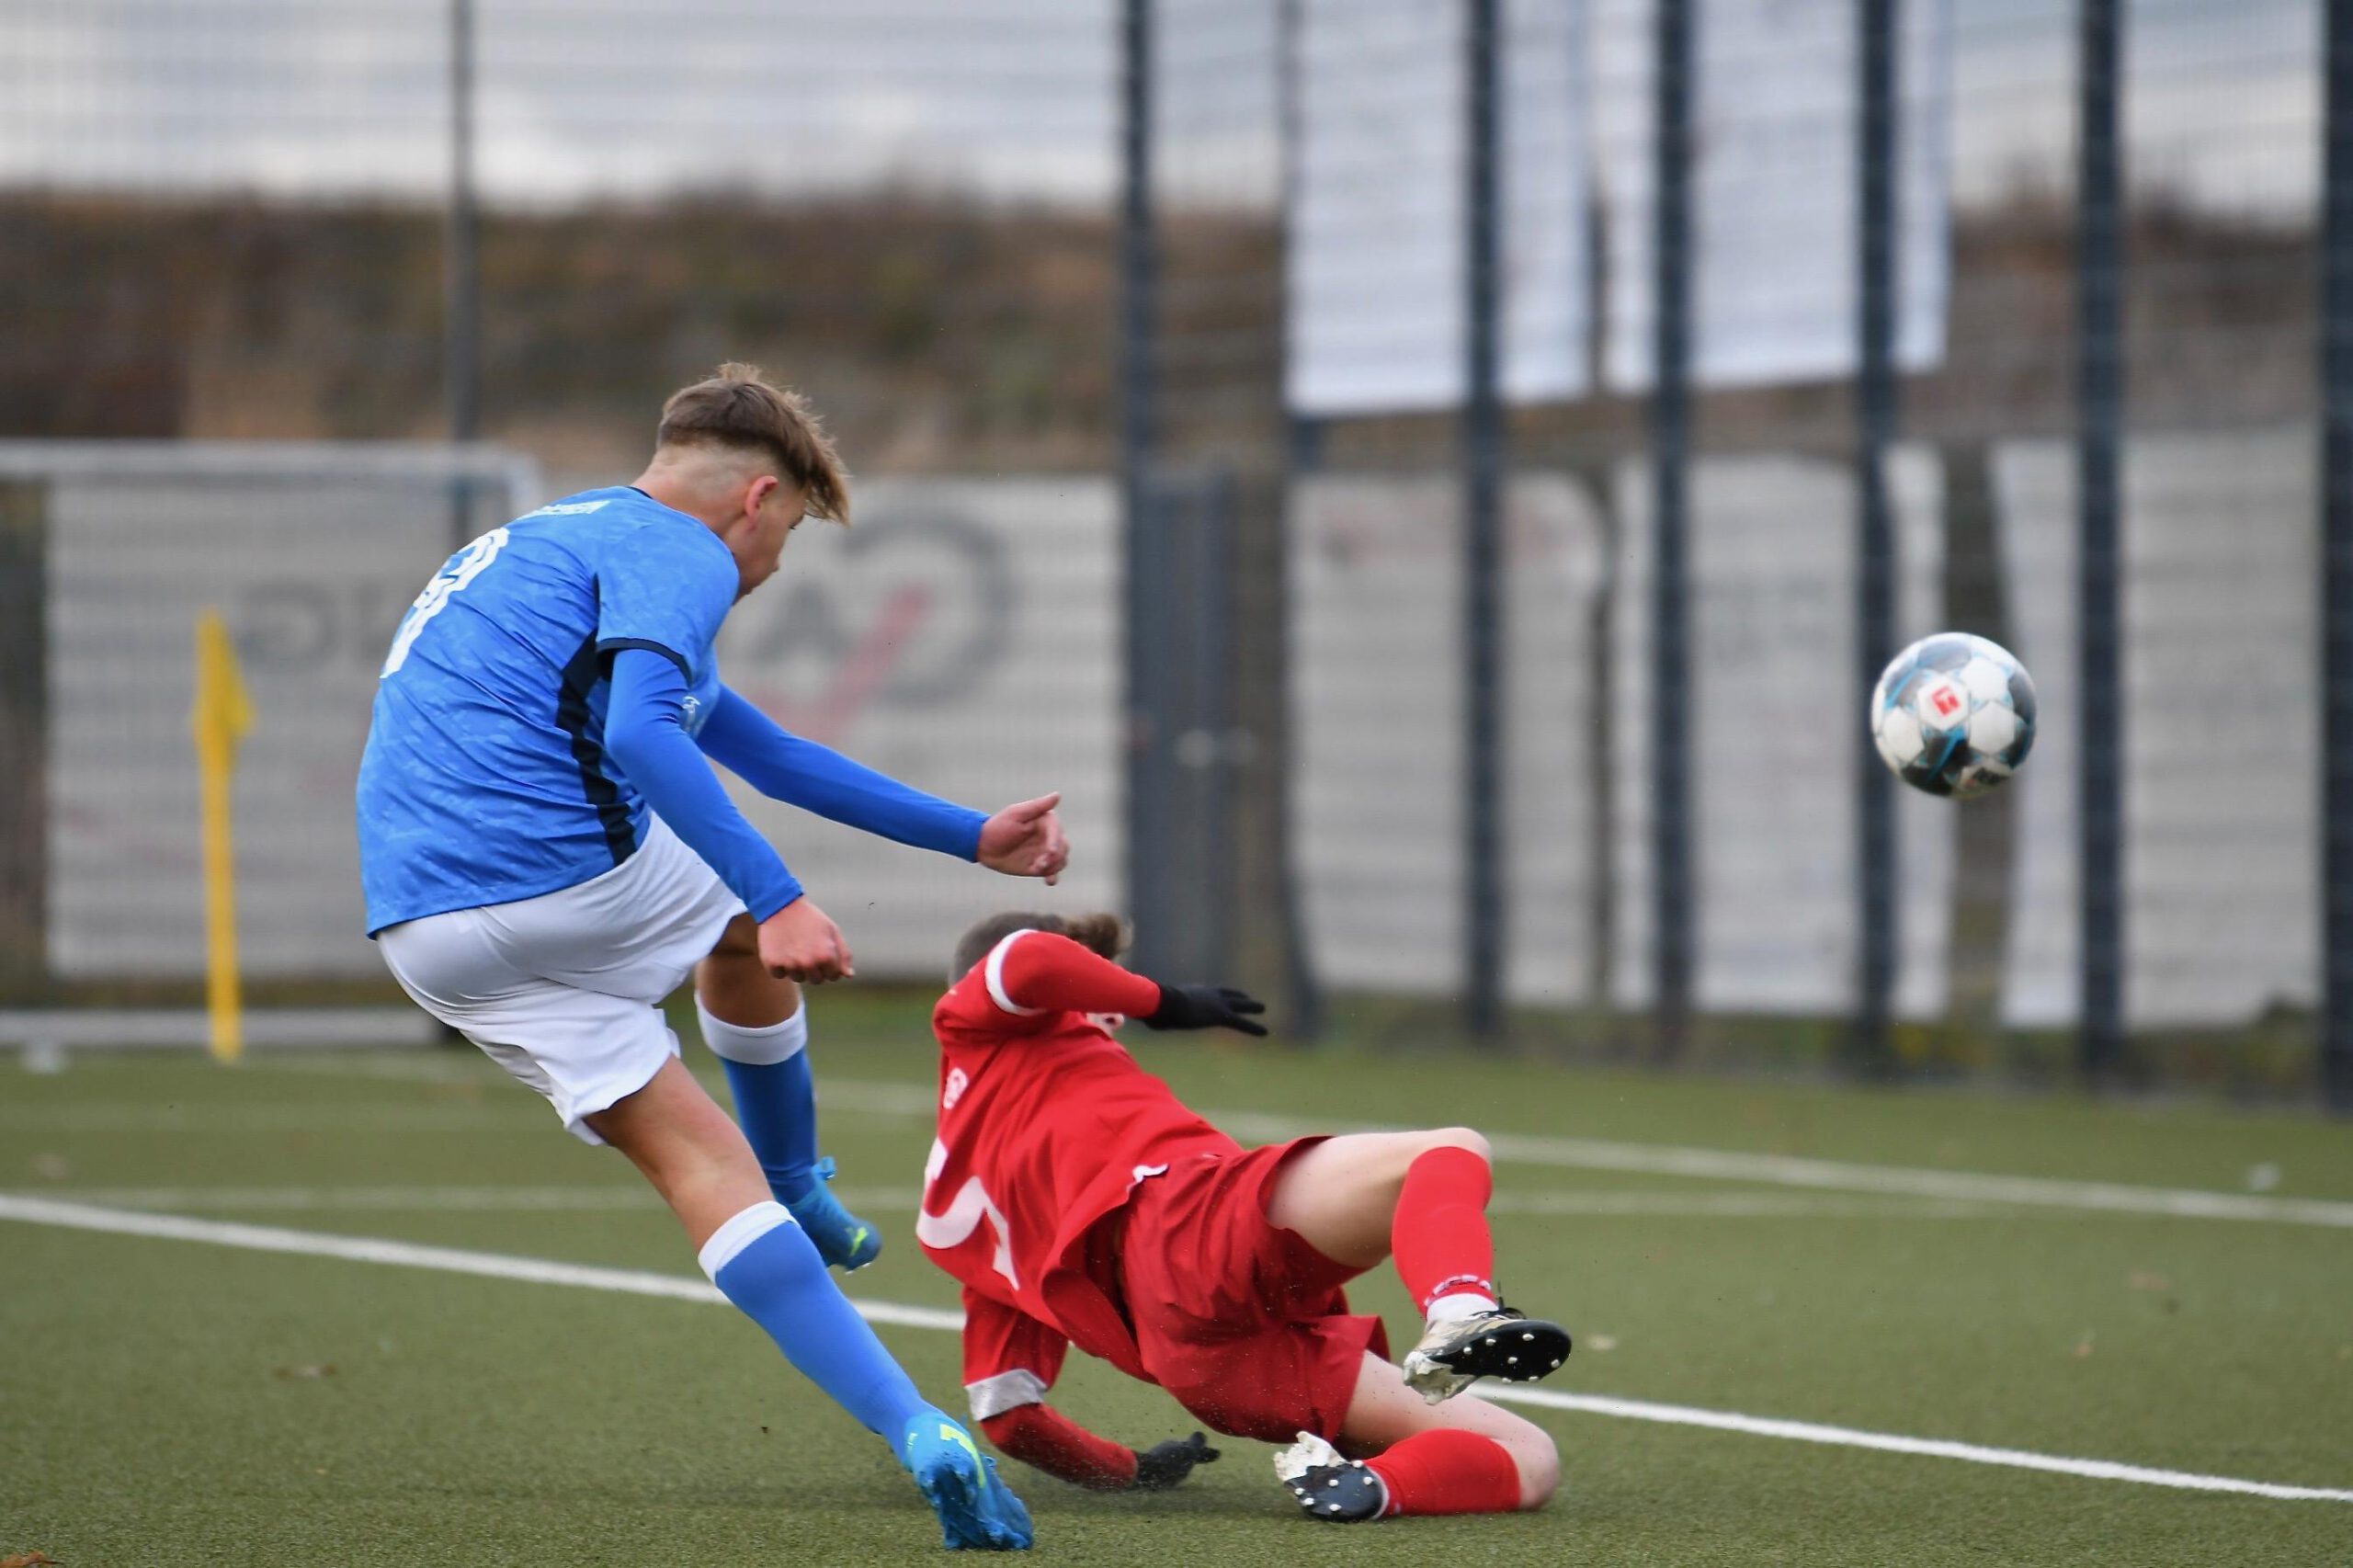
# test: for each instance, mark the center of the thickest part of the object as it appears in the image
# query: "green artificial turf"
(166, 1402)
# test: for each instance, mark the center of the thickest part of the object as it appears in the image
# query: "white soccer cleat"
(1457, 1352)
(1329, 1487)
(1311, 1452)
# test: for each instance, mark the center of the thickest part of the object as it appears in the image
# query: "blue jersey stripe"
(577, 720)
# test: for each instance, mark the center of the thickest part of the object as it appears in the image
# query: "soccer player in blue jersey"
(547, 855)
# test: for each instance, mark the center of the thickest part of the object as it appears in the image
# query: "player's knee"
(1539, 1462)
(1467, 1139)
(739, 941)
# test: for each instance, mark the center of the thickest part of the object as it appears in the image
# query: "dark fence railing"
(1518, 431)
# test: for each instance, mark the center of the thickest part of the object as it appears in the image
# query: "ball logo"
(1942, 701)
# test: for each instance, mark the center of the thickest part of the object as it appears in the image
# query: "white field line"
(499, 1114)
(1891, 1443)
(1833, 1176)
(412, 1255)
(541, 1271)
(611, 1198)
(438, 1066)
(889, 1099)
(1723, 1165)
(584, 1197)
(1746, 1205)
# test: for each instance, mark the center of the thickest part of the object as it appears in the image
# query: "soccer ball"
(1953, 714)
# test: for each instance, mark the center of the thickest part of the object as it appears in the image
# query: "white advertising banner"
(1775, 720)
(1376, 308)
(1377, 784)
(964, 636)
(2222, 723)
(1772, 187)
(311, 575)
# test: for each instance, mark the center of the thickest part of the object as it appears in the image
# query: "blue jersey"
(485, 779)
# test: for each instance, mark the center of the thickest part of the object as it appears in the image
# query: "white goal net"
(310, 552)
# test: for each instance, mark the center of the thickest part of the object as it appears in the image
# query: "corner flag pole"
(223, 716)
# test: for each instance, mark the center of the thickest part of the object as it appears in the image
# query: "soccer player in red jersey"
(1080, 1202)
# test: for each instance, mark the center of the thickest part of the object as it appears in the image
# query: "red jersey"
(1045, 1126)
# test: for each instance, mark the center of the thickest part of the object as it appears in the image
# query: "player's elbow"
(635, 743)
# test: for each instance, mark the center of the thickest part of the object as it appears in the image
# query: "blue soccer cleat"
(842, 1238)
(977, 1511)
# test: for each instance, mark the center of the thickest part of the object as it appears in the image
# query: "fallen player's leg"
(1422, 1198)
(1466, 1457)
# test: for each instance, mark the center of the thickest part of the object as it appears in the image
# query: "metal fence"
(1533, 421)
(353, 225)
(1615, 384)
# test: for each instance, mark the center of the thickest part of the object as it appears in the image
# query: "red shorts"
(1242, 1321)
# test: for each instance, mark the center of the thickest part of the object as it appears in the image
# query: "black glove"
(1163, 1465)
(1206, 1007)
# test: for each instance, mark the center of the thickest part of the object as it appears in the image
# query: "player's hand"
(1207, 1007)
(1026, 840)
(798, 942)
(1163, 1465)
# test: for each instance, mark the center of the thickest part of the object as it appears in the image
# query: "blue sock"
(777, 1108)
(775, 1094)
(761, 1262)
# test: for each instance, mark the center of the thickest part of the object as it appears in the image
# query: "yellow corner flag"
(223, 716)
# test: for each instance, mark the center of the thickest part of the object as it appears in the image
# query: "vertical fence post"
(2099, 265)
(24, 512)
(1670, 443)
(1877, 130)
(1483, 933)
(2337, 578)
(1302, 454)
(462, 267)
(1146, 813)
(462, 293)
(1183, 755)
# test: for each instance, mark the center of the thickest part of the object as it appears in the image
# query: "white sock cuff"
(728, 1242)
(756, 1047)
(1459, 1304)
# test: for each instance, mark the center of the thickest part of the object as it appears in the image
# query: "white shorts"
(565, 990)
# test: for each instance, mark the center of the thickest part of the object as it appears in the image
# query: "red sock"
(1448, 1471)
(1439, 1236)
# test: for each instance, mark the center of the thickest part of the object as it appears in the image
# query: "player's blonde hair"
(1102, 933)
(737, 407)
